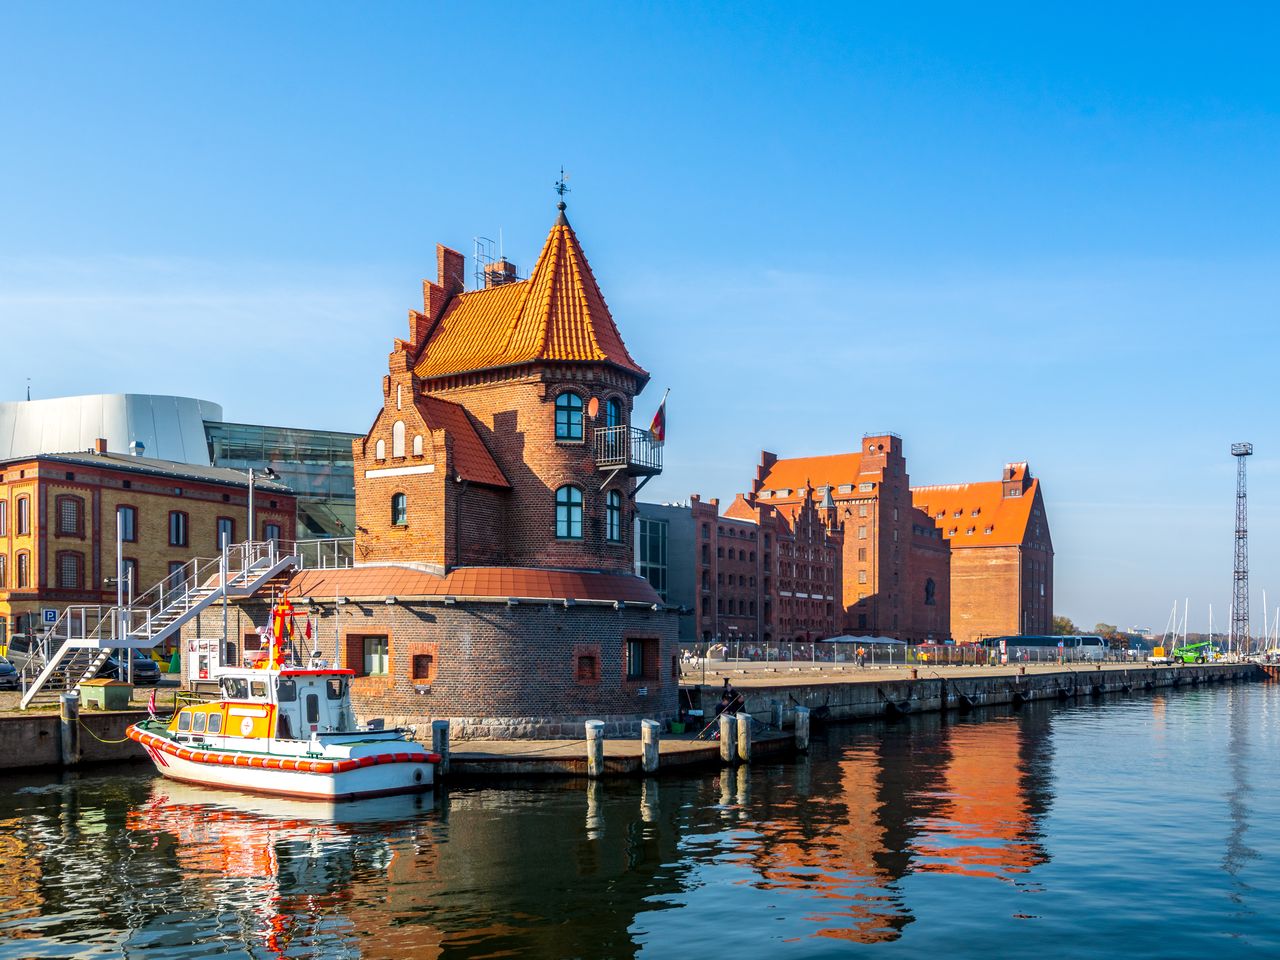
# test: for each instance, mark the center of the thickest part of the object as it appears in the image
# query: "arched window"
(397, 439)
(613, 413)
(613, 516)
(569, 512)
(380, 450)
(930, 592)
(399, 510)
(568, 417)
(417, 444)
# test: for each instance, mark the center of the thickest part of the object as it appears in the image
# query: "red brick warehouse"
(495, 491)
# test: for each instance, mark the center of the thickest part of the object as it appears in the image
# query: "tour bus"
(1034, 648)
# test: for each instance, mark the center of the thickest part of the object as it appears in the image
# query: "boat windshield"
(235, 688)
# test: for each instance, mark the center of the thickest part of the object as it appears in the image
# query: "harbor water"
(1145, 826)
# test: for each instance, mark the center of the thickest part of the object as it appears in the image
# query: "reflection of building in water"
(20, 868)
(985, 822)
(832, 842)
(961, 798)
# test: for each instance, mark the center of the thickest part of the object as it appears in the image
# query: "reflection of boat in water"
(289, 870)
(169, 796)
(285, 730)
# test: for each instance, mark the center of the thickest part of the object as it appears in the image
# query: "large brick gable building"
(1001, 553)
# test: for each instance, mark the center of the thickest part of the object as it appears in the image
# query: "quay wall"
(29, 741)
(866, 698)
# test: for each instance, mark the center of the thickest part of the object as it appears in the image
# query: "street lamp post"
(267, 474)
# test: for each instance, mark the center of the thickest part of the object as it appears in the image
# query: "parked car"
(146, 672)
(8, 675)
(20, 650)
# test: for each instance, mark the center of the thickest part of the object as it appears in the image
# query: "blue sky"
(1003, 234)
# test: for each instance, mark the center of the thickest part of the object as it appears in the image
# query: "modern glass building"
(315, 464)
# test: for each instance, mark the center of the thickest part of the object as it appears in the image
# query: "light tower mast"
(1240, 604)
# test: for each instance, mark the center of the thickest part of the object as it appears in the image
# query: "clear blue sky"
(1002, 233)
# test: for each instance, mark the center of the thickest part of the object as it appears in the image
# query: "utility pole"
(1240, 579)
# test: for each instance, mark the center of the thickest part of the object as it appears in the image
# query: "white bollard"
(802, 728)
(440, 745)
(728, 738)
(650, 731)
(595, 748)
(744, 737)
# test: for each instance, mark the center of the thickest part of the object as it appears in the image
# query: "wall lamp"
(341, 600)
(569, 602)
(391, 601)
(450, 601)
(512, 601)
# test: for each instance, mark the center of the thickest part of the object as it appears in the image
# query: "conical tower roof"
(558, 314)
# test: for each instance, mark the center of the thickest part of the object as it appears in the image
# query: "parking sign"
(48, 616)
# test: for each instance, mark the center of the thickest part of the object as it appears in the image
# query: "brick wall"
(498, 670)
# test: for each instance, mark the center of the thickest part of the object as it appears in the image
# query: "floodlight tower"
(1240, 606)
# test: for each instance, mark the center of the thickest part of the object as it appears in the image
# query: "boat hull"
(405, 771)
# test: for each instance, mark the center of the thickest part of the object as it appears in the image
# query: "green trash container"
(106, 694)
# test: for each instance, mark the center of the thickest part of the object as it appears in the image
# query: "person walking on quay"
(862, 656)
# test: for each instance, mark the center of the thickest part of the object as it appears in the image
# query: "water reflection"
(883, 834)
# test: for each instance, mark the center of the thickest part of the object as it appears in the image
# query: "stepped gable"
(1007, 517)
(471, 458)
(557, 315)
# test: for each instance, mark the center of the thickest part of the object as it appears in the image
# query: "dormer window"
(568, 416)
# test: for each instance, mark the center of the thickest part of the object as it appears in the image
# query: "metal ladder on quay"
(79, 644)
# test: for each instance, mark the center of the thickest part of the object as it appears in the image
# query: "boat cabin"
(289, 704)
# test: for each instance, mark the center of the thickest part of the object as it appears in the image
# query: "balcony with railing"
(627, 448)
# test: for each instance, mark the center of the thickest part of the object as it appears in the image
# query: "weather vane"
(562, 186)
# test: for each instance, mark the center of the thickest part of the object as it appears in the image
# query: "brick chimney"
(499, 272)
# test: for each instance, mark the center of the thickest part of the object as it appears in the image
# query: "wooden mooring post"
(69, 727)
(595, 748)
(728, 738)
(650, 732)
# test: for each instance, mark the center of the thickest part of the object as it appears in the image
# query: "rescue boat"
(288, 731)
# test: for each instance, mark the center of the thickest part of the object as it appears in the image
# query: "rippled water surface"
(1146, 826)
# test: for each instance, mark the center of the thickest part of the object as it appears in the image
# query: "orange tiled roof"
(488, 582)
(798, 472)
(1006, 516)
(471, 458)
(557, 314)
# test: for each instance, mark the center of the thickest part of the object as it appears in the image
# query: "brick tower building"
(493, 580)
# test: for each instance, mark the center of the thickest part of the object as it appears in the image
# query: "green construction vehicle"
(1194, 653)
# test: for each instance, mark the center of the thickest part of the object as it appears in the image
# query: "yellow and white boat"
(288, 731)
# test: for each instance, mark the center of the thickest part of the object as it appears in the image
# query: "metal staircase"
(80, 643)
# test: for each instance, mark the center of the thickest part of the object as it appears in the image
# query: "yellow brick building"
(59, 516)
